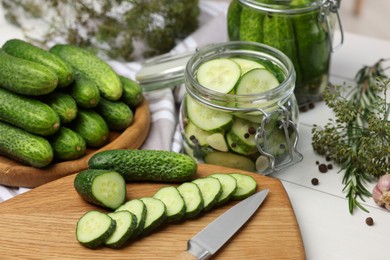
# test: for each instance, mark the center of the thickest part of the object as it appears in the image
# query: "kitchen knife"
(214, 236)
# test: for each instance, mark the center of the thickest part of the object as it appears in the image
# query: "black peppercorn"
(369, 221)
(322, 168)
(314, 181)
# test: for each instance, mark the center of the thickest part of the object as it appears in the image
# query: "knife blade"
(208, 241)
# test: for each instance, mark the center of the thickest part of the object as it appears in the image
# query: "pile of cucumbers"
(54, 104)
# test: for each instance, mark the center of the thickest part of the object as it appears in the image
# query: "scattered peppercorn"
(327, 158)
(322, 168)
(246, 135)
(369, 221)
(314, 181)
(252, 130)
(233, 144)
(330, 166)
(317, 162)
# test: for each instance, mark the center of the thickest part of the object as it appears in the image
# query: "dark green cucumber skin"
(25, 77)
(28, 51)
(117, 114)
(130, 232)
(24, 147)
(92, 127)
(63, 104)
(132, 92)
(28, 113)
(83, 185)
(85, 92)
(67, 144)
(146, 165)
(100, 241)
(252, 27)
(233, 19)
(92, 67)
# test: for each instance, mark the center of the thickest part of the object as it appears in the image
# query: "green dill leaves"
(358, 139)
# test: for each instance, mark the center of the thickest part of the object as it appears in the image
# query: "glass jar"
(258, 131)
(302, 29)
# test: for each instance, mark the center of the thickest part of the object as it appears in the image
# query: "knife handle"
(185, 255)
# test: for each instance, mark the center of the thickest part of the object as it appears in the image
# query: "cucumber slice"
(126, 223)
(247, 65)
(174, 203)
(138, 208)
(229, 186)
(246, 186)
(101, 187)
(93, 228)
(211, 189)
(155, 214)
(220, 75)
(256, 81)
(217, 141)
(230, 160)
(206, 118)
(241, 136)
(192, 198)
(196, 135)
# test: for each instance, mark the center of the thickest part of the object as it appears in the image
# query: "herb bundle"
(121, 29)
(358, 139)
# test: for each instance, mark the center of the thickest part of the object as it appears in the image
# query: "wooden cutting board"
(40, 224)
(13, 173)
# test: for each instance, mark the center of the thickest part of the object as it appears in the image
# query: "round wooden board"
(13, 173)
(41, 224)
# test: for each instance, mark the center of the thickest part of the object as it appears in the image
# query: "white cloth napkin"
(164, 104)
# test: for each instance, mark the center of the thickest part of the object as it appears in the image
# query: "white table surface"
(328, 230)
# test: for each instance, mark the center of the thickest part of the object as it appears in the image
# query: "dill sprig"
(120, 29)
(358, 139)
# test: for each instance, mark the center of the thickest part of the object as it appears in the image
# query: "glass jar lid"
(288, 6)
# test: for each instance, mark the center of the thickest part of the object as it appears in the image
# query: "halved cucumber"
(247, 65)
(192, 198)
(220, 75)
(174, 203)
(256, 81)
(138, 208)
(246, 186)
(93, 228)
(230, 160)
(206, 118)
(126, 223)
(229, 186)
(155, 214)
(101, 187)
(211, 189)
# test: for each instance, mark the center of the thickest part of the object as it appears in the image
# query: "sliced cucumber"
(211, 189)
(138, 208)
(241, 136)
(246, 186)
(155, 214)
(192, 198)
(101, 187)
(229, 186)
(220, 75)
(230, 160)
(218, 142)
(126, 223)
(93, 228)
(174, 203)
(256, 81)
(206, 118)
(196, 135)
(247, 65)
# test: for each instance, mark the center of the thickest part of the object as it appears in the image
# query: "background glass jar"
(302, 29)
(254, 132)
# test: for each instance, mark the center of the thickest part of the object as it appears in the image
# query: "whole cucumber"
(24, 147)
(28, 51)
(132, 92)
(67, 144)
(25, 77)
(28, 113)
(92, 67)
(146, 165)
(85, 92)
(117, 114)
(92, 127)
(63, 104)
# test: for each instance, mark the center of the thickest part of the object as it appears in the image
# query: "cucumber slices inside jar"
(224, 137)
